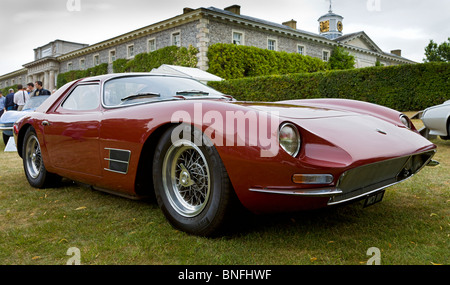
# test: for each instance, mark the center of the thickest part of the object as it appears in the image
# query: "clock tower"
(330, 25)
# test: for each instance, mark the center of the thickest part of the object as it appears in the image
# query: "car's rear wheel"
(35, 171)
(191, 184)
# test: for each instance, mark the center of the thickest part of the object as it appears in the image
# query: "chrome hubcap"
(185, 177)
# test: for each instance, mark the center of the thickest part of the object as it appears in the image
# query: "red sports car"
(200, 151)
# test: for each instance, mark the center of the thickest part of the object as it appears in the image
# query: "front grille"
(363, 180)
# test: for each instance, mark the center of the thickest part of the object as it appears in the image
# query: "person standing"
(2, 103)
(40, 90)
(9, 101)
(30, 89)
(21, 97)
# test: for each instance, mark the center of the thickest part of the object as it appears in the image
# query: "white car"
(437, 120)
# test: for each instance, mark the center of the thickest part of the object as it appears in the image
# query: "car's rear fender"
(20, 136)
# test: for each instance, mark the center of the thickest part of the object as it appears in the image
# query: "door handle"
(45, 123)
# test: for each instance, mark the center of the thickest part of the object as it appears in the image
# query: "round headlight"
(405, 121)
(289, 139)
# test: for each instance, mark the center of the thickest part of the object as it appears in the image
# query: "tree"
(341, 59)
(435, 52)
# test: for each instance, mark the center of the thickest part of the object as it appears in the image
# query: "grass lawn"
(411, 226)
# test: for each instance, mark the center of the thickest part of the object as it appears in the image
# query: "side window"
(83, 98)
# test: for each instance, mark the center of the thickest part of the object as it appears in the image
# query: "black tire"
(191, 184)
(33, 164)
(5, 138)
(447, 137)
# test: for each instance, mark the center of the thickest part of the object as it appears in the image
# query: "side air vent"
(118, 160)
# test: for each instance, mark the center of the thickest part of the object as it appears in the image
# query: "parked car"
(437, 120)
(202, 153)
(8, 118)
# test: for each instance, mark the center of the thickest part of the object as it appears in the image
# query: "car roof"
(109, 76)
(102, 78)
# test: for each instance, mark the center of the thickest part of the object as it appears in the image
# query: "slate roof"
(261, 21)
(341, 39)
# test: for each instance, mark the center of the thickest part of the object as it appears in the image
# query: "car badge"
(381, 132)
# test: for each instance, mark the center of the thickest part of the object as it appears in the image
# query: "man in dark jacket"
(9, 102)
(40, 90)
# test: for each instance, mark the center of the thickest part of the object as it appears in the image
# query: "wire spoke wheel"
(191, 184)
(33, 162)
(33, 158)
(186, 178)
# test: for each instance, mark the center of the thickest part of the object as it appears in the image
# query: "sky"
(408, 25)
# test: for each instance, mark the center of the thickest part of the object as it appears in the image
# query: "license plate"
(374, 198)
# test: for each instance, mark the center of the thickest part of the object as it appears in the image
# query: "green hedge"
(402, 87)
(5, 91)
(69, 76)
(231, 61)
(145, 62)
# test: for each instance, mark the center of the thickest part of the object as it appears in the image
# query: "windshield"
(35, 102)
(135, 89)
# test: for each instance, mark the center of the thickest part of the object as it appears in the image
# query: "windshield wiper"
(147, 94)
(192, 92)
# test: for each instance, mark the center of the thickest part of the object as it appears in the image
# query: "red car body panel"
(337, 135)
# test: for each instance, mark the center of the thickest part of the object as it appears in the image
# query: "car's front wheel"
(5, 138)
(447, 137)
(191, 184)
(35, 171)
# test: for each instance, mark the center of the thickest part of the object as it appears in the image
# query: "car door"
(71, 131)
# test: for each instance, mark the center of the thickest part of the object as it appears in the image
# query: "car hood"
(445, 106)
(12, 116)
(291, 111)
(361, 136)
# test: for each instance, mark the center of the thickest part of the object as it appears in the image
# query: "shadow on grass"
(349, 219)
(294, 223)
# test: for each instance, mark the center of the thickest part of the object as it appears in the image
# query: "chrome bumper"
(6, 127)
(319, 192)
(364, 180)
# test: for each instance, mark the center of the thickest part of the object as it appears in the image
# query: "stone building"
(201, 28)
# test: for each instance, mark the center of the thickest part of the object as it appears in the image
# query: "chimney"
(397, 52)
(291, 24)
(236, 9)
(187, 10)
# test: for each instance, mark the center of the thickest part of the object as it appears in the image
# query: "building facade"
(201, 28)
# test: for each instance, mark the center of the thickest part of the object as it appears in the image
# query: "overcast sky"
(395, 24)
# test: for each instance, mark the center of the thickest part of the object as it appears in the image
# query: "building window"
(301, 49)
(238, 38)
(130, 51)
(96, 59)
(151, 45)
(325, 55)
(69, 66)
(112, 56)
(271, 44)
(82, 64)
(176, 39)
